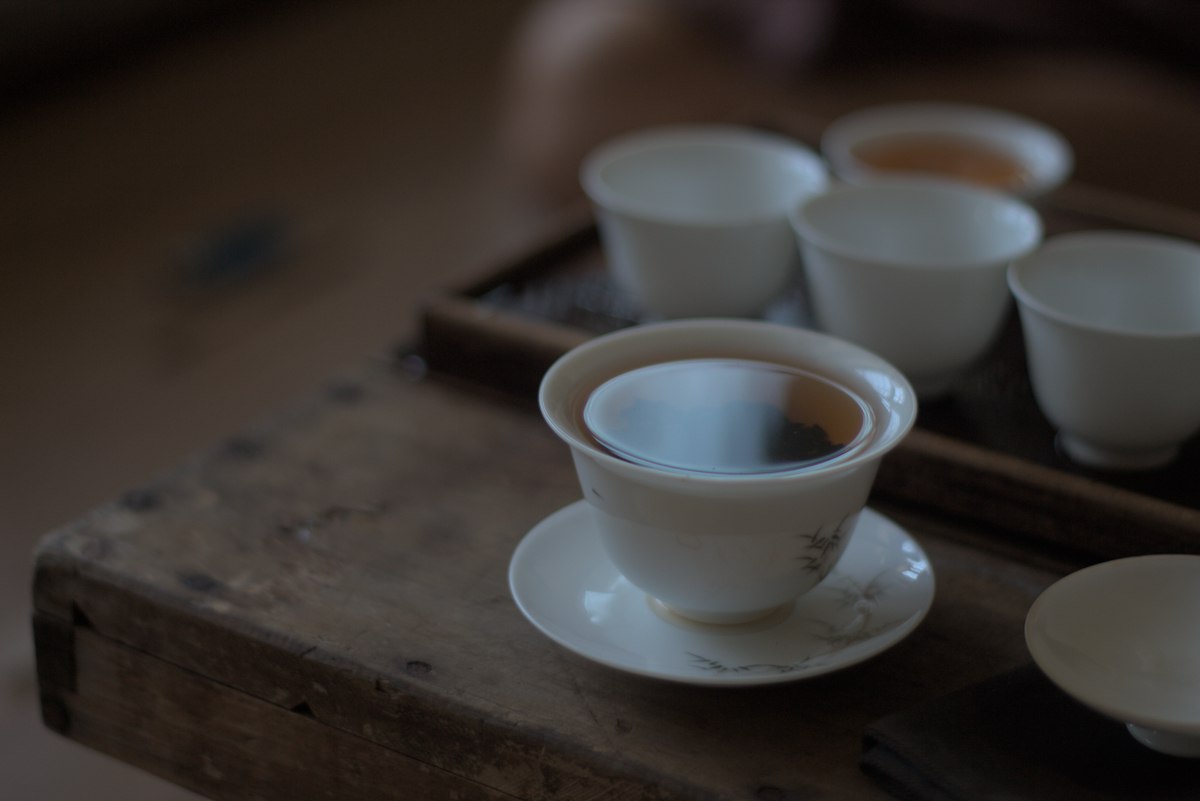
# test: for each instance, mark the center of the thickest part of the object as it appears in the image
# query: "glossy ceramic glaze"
(1123, 638)
(725, 548)
(1045, 155)
(1112, 331)
(565, 585)
(693, 220)
(914, 270)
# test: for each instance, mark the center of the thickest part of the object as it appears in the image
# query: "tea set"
(693, 558)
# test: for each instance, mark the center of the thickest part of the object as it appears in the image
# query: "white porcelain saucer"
(565, 585)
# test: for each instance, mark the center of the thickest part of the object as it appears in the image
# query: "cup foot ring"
(1102, 458)
(734, 621)
(1180, 745)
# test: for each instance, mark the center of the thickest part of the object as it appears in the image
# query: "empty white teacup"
(725, 548)
(913, 269)
(1112, 335)
(693, 219)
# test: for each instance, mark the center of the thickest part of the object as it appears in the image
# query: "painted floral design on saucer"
(564, 584)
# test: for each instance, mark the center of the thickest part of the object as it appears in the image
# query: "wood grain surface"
(320, 607)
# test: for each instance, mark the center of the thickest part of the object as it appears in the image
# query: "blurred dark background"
(208, 208)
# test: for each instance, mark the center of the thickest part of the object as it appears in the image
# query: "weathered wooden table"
(319, 608)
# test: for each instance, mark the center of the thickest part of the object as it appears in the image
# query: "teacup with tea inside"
(977, 145)
(725, 462)
(726, 416)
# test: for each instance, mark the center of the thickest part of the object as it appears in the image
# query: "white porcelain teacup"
(693, 219)
(913, 269)
(1112, 337)
(976, 144)
(725, 548)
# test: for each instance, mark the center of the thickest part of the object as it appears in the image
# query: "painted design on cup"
(822, 544)
(716, 666)
(860, 600)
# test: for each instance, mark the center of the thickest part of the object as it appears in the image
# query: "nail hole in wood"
(304, 709)
(141, 500)
(79, 618)
(200, 582)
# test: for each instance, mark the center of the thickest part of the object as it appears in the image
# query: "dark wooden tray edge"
(509, 352)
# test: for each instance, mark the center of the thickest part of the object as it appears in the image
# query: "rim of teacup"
(862, 433)
(956, 194)
(1134, 241)
(1045, 152)
(883, 436)
(639, 143)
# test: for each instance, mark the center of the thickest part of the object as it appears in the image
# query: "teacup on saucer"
(565, 585)
(725, 548)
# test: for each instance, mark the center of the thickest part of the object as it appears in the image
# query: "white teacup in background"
(981, 145)
(914, 269)
(1112, 334)
(693, 219)
(725, 548)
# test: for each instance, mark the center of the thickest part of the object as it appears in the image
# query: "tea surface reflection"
(726, 416)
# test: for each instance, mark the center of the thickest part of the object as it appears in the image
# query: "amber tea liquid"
(953, 156)
(725, 416)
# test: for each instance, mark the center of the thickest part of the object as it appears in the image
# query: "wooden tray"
(985, 453)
